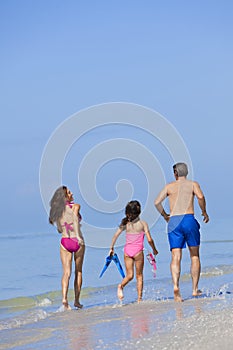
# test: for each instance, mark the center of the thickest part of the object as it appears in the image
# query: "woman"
(136, 229)
(66, 216)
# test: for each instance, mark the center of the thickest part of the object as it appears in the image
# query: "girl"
(136, 229)
(65, 214)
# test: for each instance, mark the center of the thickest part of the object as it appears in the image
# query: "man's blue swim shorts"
(183, 229)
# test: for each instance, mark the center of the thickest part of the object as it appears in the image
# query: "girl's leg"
(66, 259)
(139, 264)
(78, 258)
(129, 266)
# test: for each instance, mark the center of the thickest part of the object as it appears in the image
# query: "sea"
(32, 317)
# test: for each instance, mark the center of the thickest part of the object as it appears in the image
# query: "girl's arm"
(149, 238)
(114, 238)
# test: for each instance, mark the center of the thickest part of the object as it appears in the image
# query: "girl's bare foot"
(66, 305)
(120, 292)
(177, 296)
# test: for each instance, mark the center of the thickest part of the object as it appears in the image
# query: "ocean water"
(31, 316)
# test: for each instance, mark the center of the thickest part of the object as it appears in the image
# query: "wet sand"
(196, 323)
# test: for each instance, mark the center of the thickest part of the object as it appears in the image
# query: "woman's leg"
(139, 264)
(78, 258)
(66, 259)
(129, 266)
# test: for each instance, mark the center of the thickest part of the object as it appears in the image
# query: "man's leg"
(195, 269)
(175, 271)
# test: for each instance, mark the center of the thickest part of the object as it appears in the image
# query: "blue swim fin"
(116, 260)
(118, 264)
(107, 263)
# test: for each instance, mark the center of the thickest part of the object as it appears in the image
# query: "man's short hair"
(181, 169)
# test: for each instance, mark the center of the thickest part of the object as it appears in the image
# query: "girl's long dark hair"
(132, 211)
(57, 207)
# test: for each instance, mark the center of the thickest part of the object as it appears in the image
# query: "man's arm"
(162, 195)
(201, 201)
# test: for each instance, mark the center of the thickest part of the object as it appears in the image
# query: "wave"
(212, 271)
(16, 312)
(18, 321)
(217, 271)
(21, 236)
(218, 241)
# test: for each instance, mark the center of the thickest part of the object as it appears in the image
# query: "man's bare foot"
(177, 296)
(197, 293)
(66, 305)
(120, 292)
(78, 305)
(139, 300)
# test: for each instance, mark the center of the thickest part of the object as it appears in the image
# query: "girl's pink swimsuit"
(134, 243)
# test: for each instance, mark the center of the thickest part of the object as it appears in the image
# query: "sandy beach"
(197, 323)
(36, 321)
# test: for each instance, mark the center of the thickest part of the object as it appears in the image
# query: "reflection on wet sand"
(129, 325)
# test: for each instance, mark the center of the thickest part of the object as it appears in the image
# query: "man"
(182, 226)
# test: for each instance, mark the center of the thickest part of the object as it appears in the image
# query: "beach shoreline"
(197, 323)
(31, 316)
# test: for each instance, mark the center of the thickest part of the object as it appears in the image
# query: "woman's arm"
(76, 208)
(76, 225)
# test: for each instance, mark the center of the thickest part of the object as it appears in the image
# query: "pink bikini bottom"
(70, 244)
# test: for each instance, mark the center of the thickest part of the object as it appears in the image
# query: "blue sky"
(59, 57)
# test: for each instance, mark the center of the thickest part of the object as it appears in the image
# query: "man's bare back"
(181, 195)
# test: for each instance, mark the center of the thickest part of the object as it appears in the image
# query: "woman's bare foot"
(66, 305)
(139, 300)
(177, 296)
(78, 305)
(197, 293)
(120, 292)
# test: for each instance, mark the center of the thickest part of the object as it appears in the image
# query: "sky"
(61, 57)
